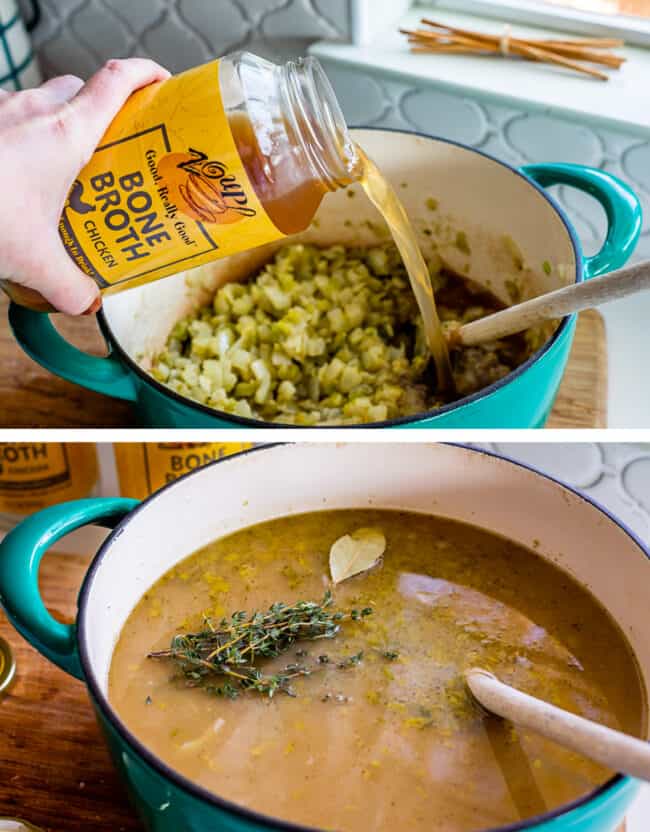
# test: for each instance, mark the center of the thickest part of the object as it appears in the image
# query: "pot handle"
(40, 340)
(621, 205)
(20, 557)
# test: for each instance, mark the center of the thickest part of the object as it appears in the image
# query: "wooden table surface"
(32, 397)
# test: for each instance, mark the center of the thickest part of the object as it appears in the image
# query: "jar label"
(143, 468)
(34, 475)
(166, 190)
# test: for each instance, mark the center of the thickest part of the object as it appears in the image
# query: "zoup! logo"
(203, 189)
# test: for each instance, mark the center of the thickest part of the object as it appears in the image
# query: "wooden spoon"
(617, 751)
(556, 304)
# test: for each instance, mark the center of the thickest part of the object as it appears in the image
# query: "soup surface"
(391, 739)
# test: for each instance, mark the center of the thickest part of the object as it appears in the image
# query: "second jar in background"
(144, 467)
(35, 475)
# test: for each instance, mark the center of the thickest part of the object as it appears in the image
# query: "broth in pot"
(373, 727)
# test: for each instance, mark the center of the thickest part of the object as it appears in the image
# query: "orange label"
(143, 468)
(166, 190)
(40, 474)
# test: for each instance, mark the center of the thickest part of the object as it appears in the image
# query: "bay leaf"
(355, 553)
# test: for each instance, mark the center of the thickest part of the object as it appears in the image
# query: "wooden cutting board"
(55, 771)
(32, 397)
(582, 399)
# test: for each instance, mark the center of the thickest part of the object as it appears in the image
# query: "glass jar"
(35, 475)
(144, 467)
(220, 159)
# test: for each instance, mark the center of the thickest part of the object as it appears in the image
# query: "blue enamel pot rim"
(402, 420)
(265, 821)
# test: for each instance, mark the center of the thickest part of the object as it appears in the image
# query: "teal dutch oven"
(270, 481)
(517, 240)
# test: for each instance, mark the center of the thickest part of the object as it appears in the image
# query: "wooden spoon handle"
(613, 749)
(598, 290)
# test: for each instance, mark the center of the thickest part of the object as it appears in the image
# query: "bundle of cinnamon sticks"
(570, 53)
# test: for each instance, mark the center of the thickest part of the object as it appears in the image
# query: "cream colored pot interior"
(511, 232)
(450, 481)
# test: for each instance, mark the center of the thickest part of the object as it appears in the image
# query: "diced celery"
(329, 335)
(336, 319)
(350, 377)
(263, 375)
(286, 391)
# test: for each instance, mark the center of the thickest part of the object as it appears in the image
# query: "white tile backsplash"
(78, 35)
(518, 137)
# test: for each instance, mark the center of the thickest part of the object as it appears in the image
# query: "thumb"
(64, 285)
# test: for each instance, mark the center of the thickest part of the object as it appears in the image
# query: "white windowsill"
(635, 30)
(638, 819)
(620, 103)
(628, 400)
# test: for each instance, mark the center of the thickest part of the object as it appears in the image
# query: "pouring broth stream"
(382, 195)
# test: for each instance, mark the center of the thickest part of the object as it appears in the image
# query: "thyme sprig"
(223, 659)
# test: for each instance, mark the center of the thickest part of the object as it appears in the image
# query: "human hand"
(47, 135)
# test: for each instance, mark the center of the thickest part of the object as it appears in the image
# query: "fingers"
(76, 116)
(40, 101)
(62, 89)
(97, 102)
(103, 96)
